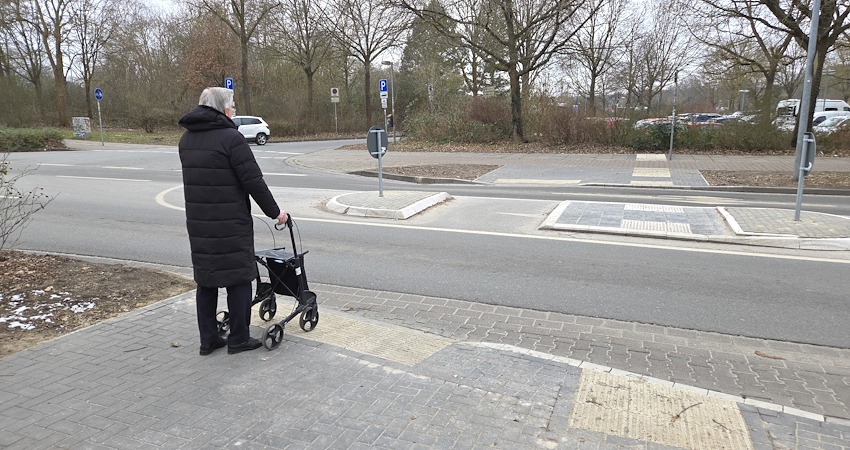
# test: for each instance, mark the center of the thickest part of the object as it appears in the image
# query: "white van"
(787, 110)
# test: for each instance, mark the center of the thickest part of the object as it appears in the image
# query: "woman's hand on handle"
(282, 218)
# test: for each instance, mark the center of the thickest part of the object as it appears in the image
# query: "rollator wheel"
(272, 336)
(268, 308)
(309, 318)
(223, 320)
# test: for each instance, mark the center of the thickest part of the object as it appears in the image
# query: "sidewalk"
(749, 226)
(433, 373)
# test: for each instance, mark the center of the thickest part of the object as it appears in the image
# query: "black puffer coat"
(219, 173)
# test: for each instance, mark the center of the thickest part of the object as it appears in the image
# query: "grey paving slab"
(309, 394)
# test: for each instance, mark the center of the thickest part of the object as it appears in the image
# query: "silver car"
(254, 128)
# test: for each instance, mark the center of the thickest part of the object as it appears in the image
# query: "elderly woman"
(219, 174)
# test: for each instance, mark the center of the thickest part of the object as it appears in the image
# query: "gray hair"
(217, 98)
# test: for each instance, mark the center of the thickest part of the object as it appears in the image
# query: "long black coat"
(219, 173)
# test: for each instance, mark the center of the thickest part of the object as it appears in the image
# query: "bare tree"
(52, 19)
(366, 29)
(94, 24)
(299, 36)
(516, 37)
(597, 46)
(737, 31)
(16, 205)
(242, 17)
(25, 50)
(663, 50)
(793, 17)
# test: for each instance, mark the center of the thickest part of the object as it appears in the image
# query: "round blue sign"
(98, 94)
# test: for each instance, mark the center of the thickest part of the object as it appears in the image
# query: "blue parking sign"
(382, 87)
(228, 83)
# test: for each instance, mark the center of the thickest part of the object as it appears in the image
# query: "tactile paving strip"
(402, 345)
(636, 409)
(651, 172)
(648, 225)
(653, 208)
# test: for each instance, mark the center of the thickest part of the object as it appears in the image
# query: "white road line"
(285, 174)
(56, 165)
(122, 168)
(279, 153)
(99, 178)
(533, 216)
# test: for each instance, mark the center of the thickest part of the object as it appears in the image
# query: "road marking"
(285, 174)
(56, 165)
(533, 216)
(121, 168)
(160, 199)
(99, 178)
(577, 240)
(277, 152)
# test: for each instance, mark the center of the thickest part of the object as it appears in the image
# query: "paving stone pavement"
(509, 379)
(138, 382)
(809, 378)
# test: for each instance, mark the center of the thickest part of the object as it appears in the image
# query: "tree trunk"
(60, 83)
(591, 97)
(246, 86)
(516, 107)
(367, 83)
(310, 87)
(87, 91)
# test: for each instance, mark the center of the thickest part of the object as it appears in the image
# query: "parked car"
(254, 128)
(819, 117)
(832, 125)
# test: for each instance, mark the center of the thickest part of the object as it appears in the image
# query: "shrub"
(834, 144)
(748, 137)
(456, 126)
(30, 139)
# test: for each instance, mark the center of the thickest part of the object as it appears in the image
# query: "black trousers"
(238, 306)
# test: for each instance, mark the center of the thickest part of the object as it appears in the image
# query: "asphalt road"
(483, 246)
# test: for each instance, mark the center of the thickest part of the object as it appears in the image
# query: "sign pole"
(100, 120)
(336, 120)
(98, 94)
(380, 165)
(376, 143)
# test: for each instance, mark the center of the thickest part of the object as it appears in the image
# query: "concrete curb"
(338, 205)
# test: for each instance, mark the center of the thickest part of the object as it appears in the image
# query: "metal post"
(380, 162)
(803, 115)
(100, 120)
(392, 94)
(673, 119)
(802, 176)
(336, 120)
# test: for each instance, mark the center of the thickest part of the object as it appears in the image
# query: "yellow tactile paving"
(637, 409)
(651, 172)
(386, 341)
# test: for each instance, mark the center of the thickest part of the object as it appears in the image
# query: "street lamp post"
(743, 96)
(826, 87)
(392, 93)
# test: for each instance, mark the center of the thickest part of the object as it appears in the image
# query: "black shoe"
(250, 344)
(218, 343)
